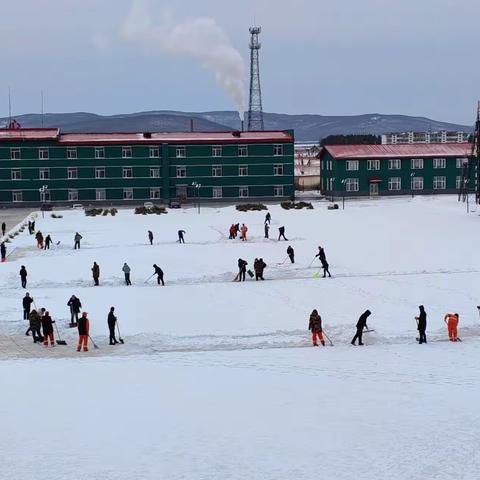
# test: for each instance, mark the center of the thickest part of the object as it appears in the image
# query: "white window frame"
(217, 171)
(460, 161)
(72, 173)
(180, 152)
(43, 153)
(217, 192)
(181, 171)
(44, 174)
(373, 164)
(278, 150)
(100, 194)
(154, 152)
(72, 195)
(128, 193)
(126, 152)
(72, 153)
(99, 152)
(351, 165)
(100, 173)
(243, 170)
(154, 193)
(216, 151)
(154, 172)
(394, 184)
(127, 172)
(243, 192)
(416, 164)
(352, 185)
(278, 170)
(16, 174)
(17, 196)
(278, 191)
(15, 154)
(395, 164)
(416, 183)
(439, 163)
(439, 182)
(243, 150)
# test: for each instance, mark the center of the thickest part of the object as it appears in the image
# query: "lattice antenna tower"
(255, 111)
(476, 154)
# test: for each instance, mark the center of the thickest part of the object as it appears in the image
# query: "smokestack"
(242, 125)
(191, 124)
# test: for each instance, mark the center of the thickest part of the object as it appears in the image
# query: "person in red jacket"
(83, 332)
(451, 319)
(315, 325)
(244, 231)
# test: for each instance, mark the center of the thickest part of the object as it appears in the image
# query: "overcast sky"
(335, 57)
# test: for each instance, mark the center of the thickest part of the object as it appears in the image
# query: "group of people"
(45, 245)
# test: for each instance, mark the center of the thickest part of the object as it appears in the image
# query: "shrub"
(113, 212)
(251, 207)
(54, 215)
(296, 205)
(93, 212)
(149, 211)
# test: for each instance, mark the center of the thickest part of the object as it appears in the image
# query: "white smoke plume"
(198, 38)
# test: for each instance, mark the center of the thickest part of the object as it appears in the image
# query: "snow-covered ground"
(217, 379)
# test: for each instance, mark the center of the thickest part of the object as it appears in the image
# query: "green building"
(43, 165)
(370, 170)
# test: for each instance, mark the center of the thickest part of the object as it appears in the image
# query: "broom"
(120, 339)
(59, 341)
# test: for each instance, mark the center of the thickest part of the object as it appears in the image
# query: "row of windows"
(395, 183)
(396, 164)
(181, 192)
(154, 152)
(127, 172)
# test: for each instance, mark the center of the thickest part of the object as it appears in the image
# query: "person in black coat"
(268, 217)
(422, 325)
(3, 251)
(35, 324)
(150, 237)
(4, 227)
(159, 273)
(361, 324)
(112, 321)
(48, 241)
(242, 269)
(323, 260)
(47, 327)
(180, 236)
(291, 253)
(281, 233)
(75, 306)
(23, 276)
(27, 304)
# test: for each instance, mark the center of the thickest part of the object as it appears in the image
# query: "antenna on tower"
(9, 106)
(255, 111)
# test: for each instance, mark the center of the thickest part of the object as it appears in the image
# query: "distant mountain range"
(308, 128)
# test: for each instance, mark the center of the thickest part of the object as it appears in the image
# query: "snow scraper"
(59, 341)
(95, 346)
(120, 339)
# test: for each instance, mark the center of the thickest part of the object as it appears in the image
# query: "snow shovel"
(120, 339)
(310, 264)
(146, 281)
(95, 346)
(283, 261)
(328, 338)
(250, 273)
(236, 279)
(59, 341)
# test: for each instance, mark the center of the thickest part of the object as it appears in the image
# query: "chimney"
(236, 133)
(147, 135)
(191, 125)
(242, 125)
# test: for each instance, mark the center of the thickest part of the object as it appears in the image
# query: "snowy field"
(218, 380)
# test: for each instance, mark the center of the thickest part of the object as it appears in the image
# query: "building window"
(243, 151)
(373, 164)
(181, 172)
(278, 191)
(243, 171)
(154, 173)
(417, 183)
(72, 173)
(458, 182)
(99, 152)
(461, 162)
(439, 183)
(394, 164)
(439, 163)
(15, 154)
(16, 174)
(217, 192)
(17, 196)
(43, 153)
(44, 174)
(217, 171)
(216, 151)
(71, 153)
(278, 170)
(154, 152)
(154, 193)
(73, 195)
(127, 172)
(277, 150)
(394, 183)
(100, 172)
(126, 152)
(100, 194)
(243, 192)
(417, 164)
(180, 152)
(128, 193)
(351, 185)
(351, 165)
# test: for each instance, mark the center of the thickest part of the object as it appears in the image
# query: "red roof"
(29, 134)
(420, 150)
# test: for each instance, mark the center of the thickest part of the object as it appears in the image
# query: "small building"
(393, 169)
(441, 136)
(137, 167)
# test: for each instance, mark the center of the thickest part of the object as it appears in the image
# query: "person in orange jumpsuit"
(83, 331)
(451, 319)
(244, 231)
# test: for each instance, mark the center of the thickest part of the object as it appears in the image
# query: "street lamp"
(343, 197)
(411, 182)
(466, 192)
(43, 193)
(197, 186)
(332, 180)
